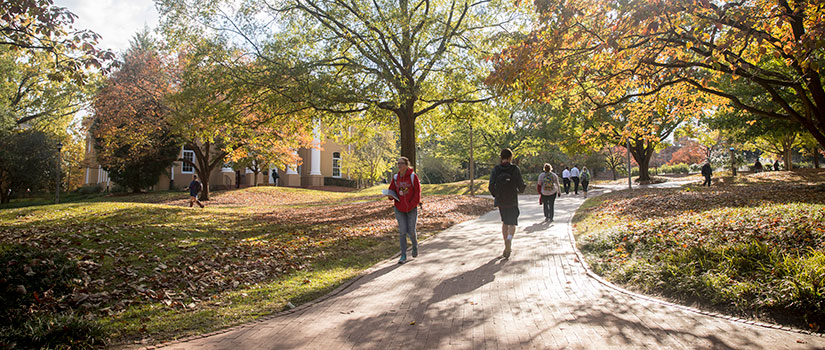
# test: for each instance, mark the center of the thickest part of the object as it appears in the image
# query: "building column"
(87, 176)
(315, 177)
(292, 178)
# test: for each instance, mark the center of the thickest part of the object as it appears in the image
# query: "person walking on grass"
(776, 165)
(707, 172)
(549, 189)
(574, 175)
(194, 188)
(406, 186)
(565, 177)
(585, 178)
(505, 185)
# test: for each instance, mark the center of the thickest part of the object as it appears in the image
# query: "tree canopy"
(604, 48)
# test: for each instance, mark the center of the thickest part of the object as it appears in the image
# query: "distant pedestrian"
(505, 185)
(757, 166)
(574, 175)
(408, 189)
(194, 188)
(565, 177)
(776, 165)
(275, 177)
(707, 172)
(549, 189)
(585, 177)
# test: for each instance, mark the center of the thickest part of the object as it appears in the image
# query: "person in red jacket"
(405, 184)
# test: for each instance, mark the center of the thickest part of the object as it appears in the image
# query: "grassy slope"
(754, 246)
(161, 270)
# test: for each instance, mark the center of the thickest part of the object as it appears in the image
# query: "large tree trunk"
(406, 124)
(642, 153)
(786, 158)
(816, 157)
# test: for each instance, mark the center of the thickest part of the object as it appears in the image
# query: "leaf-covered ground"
(160, 270)
(753, 246)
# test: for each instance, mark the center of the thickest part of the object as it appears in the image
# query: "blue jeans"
(406, 227)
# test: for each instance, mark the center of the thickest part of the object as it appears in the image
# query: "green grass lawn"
(753, 246)
(153, 269)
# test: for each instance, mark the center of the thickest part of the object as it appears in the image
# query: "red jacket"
(408, 192)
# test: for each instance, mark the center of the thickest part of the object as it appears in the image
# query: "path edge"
(580, 258)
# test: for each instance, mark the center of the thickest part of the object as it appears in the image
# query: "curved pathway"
(459, 295)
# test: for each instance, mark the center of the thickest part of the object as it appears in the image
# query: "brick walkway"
(459, 295)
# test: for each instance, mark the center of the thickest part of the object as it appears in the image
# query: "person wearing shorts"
(505, 185)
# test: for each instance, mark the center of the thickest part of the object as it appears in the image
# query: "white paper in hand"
(390, 193)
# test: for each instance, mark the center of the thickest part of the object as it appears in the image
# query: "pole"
(732, 162)
(472, 163)
(57, 189)
(629, 169)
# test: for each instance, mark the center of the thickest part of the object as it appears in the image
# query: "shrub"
(90, 189)
(65, 330)
(334, 181)
(33, 288)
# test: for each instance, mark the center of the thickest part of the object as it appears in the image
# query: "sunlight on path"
(459, 295)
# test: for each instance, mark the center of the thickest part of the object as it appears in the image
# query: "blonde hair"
(548, 167)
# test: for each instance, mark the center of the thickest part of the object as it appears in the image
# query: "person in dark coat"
(194, 188)
(707, 172)
(776, 166)
(757, 166)
(505, 185)
(275, 177)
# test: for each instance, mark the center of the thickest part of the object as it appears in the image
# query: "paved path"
(460, 295)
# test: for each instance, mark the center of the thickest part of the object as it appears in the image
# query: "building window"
(187, 168)
(336, 164)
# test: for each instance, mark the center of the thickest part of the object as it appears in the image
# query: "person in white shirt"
(574, 175)
(565, 177)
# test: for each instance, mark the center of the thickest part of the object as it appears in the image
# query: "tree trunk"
(642, 154)
(816, 157)
(255, 180)
(787, 159)
(614, 172)
(406, 124)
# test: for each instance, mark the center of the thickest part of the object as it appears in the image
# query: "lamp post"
(732, 162)
(57, 189)
(629, 169)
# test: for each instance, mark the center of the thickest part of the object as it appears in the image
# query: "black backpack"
(505, 182)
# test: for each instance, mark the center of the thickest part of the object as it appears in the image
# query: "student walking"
(707, 172)
(505, 185)
(194, 188)
(565, 177)
(585, 177)
(406, 185)
(275, 177)
(549, 189)
(574, 175)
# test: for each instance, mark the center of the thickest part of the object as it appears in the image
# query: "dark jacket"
(194, 188)
(706, 170)
(506, 200)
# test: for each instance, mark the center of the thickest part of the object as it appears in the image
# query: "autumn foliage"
(133, 137)
(690, 153)
(613, 52)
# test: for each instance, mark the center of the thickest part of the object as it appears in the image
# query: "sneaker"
(507, 249)
(415, 251)
(402, 260)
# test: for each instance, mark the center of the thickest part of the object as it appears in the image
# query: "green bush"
(333, 181)
(680, 168)
(90, 189)
(32, 285)
(65, 330)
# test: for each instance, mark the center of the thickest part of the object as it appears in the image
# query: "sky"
(115, 20)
